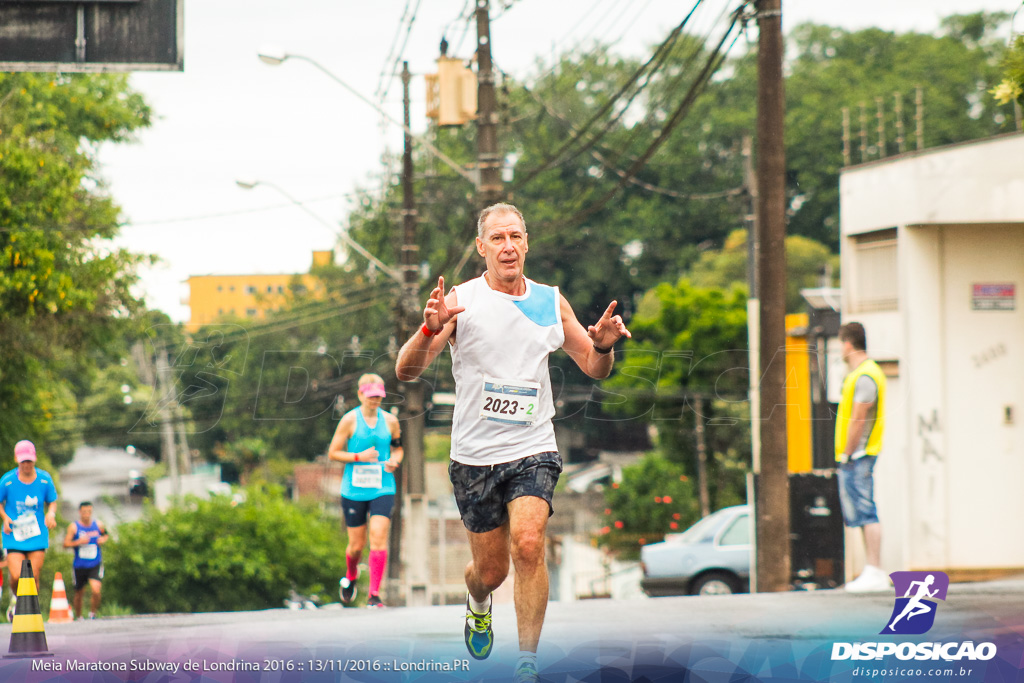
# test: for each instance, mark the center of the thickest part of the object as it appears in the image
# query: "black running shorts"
(483, 492)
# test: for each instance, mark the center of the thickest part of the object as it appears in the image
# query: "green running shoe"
(479, 636)
(526, 672)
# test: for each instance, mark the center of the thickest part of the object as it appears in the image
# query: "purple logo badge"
(916, 593)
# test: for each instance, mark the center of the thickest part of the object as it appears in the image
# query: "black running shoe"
(347, 590)
(374, 601)
(479, 636)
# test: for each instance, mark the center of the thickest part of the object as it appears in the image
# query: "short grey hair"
(499, 208)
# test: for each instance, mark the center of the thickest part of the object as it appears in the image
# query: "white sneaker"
(871, 580)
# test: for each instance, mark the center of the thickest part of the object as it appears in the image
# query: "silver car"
(712, 557)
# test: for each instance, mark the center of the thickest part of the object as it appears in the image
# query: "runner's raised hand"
(609, 329)
(437, 314)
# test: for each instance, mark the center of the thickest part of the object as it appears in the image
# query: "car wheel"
(714, 583)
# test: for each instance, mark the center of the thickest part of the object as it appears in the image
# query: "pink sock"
(378, 558)
(352, 566)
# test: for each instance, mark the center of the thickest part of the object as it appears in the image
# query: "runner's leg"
(528, 519)
(379, 528)
(489, 566)
(36, 558)
(97, 590)
(354, 550)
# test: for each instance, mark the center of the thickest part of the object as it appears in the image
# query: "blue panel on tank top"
(540, 305)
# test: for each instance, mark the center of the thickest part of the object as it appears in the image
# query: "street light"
(247, 184)
(275, 56)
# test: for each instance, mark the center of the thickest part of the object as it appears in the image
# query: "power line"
(657, 59)
(241, 212)
(714, 61)
(305, 318)
(398, 57)
(391, 50)
(607, 165)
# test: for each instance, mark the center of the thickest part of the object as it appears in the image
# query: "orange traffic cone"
(27, 636)
(60, 611)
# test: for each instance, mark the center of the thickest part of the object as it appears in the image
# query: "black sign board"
(91, 35)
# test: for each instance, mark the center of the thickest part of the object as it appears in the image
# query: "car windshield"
(699, 531)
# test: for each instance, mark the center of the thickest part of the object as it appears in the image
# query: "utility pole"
(488, 158)
(413, 511)
(168, 451)
(702, 456)
(772, 497)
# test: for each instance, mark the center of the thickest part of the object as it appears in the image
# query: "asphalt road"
(100, 475)
(767, 637)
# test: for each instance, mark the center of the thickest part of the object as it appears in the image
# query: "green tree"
(1011, 87)
(807, 263)
(63, 290)
(655, 497)
(221, 555)
(688, 357)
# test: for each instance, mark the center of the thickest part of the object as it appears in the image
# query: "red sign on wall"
(993, 297)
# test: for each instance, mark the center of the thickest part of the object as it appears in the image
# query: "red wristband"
(355, 457)
(427, 331)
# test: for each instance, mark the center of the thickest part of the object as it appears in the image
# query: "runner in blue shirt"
(87, 536)
(25, 493)
(367, 440)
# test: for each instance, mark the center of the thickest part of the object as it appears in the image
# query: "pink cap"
(372, 390)
(24, 450)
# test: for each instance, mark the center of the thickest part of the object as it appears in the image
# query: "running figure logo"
(914, 612)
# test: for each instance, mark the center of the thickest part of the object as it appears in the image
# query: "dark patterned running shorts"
(483, 492)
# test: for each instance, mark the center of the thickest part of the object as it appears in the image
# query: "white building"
(932, 249)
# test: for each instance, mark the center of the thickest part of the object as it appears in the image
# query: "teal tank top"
(366, 480)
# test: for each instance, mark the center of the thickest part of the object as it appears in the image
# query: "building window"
(220, 311)
(232, 288)
(875, 282)
(270, 289)
(280, 289)
(220, 288)
(251, 312)
(249, 289)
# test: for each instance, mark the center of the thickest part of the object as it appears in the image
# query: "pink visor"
(372, 390)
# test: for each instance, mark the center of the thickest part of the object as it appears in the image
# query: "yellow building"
(213, 297)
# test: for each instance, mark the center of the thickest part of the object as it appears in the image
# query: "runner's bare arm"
(51, 516)
(397, 452)
(339, 442)
(582, 344)
(439, 316)
(69, 537)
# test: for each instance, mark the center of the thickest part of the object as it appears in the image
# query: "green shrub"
(222, 555)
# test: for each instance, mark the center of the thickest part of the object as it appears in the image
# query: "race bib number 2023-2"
(513, 402)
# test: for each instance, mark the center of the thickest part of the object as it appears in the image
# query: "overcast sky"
(228, 116)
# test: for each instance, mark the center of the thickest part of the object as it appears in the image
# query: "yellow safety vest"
(874, 443)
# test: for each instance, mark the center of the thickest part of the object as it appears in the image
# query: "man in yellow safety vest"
(859, 428)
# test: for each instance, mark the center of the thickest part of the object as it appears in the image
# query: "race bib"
(368, 476)
(88, 552)
(513, 402)
(25, 527)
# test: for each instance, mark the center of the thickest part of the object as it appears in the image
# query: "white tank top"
(503, 402)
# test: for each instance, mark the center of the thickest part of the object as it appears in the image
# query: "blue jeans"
(857, 491)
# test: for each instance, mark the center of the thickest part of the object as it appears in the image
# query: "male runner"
(501, 327)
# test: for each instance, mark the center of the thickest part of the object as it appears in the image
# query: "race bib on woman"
(26, 526)
(368, 476)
